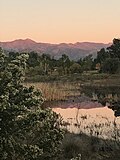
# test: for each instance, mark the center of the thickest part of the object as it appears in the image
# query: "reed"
(57, 91)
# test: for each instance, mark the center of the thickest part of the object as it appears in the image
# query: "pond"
(99, 122)
(85, 115)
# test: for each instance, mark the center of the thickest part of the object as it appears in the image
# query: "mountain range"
(73, 50)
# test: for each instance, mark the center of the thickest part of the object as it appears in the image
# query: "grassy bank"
(89, 147)
(60, 88)
(87, 77)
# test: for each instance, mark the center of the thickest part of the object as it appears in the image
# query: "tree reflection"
(107, 96)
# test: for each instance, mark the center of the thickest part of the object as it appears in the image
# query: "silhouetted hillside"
(74, 51)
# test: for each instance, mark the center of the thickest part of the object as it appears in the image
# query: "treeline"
(46, 65)
(107, 61)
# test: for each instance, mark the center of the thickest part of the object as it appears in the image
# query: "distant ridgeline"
(74, 51)
(106, 61)
(109, 96)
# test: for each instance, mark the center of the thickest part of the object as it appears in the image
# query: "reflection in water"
(99, 122)
(105, 95)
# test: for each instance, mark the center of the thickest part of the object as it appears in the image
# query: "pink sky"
(57, 21)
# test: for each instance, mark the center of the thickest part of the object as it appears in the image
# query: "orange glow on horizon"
(65, 21)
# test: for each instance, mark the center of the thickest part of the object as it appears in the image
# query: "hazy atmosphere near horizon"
(57, 21)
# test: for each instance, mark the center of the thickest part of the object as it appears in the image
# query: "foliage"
(75, 68)
(87, 63)
(110, 58)
(33, 59)
(64, 63)
(27, 130)
(102, 55)
(110, 65)
(114, 49)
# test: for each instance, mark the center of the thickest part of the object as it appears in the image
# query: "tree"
(33, 59)
(45, 59)
(75, 68)
(102, 55)
(114, 49)
(111, 65)
(109, 58)
(28, 131)
(65, 63)
(87, 63)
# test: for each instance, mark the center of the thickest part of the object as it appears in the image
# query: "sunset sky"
(57, 21)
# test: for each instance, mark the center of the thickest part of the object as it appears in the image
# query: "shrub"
(28, 131)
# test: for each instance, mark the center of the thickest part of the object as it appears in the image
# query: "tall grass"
(55, 91)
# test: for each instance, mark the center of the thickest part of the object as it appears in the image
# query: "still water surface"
(99, 122)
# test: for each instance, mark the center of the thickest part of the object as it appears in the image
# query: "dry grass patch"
(57, 91)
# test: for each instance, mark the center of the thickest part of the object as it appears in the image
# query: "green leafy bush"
(28, 131)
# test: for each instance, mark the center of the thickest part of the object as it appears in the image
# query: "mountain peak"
(74, 51)
(29, 40)
(23, 41)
